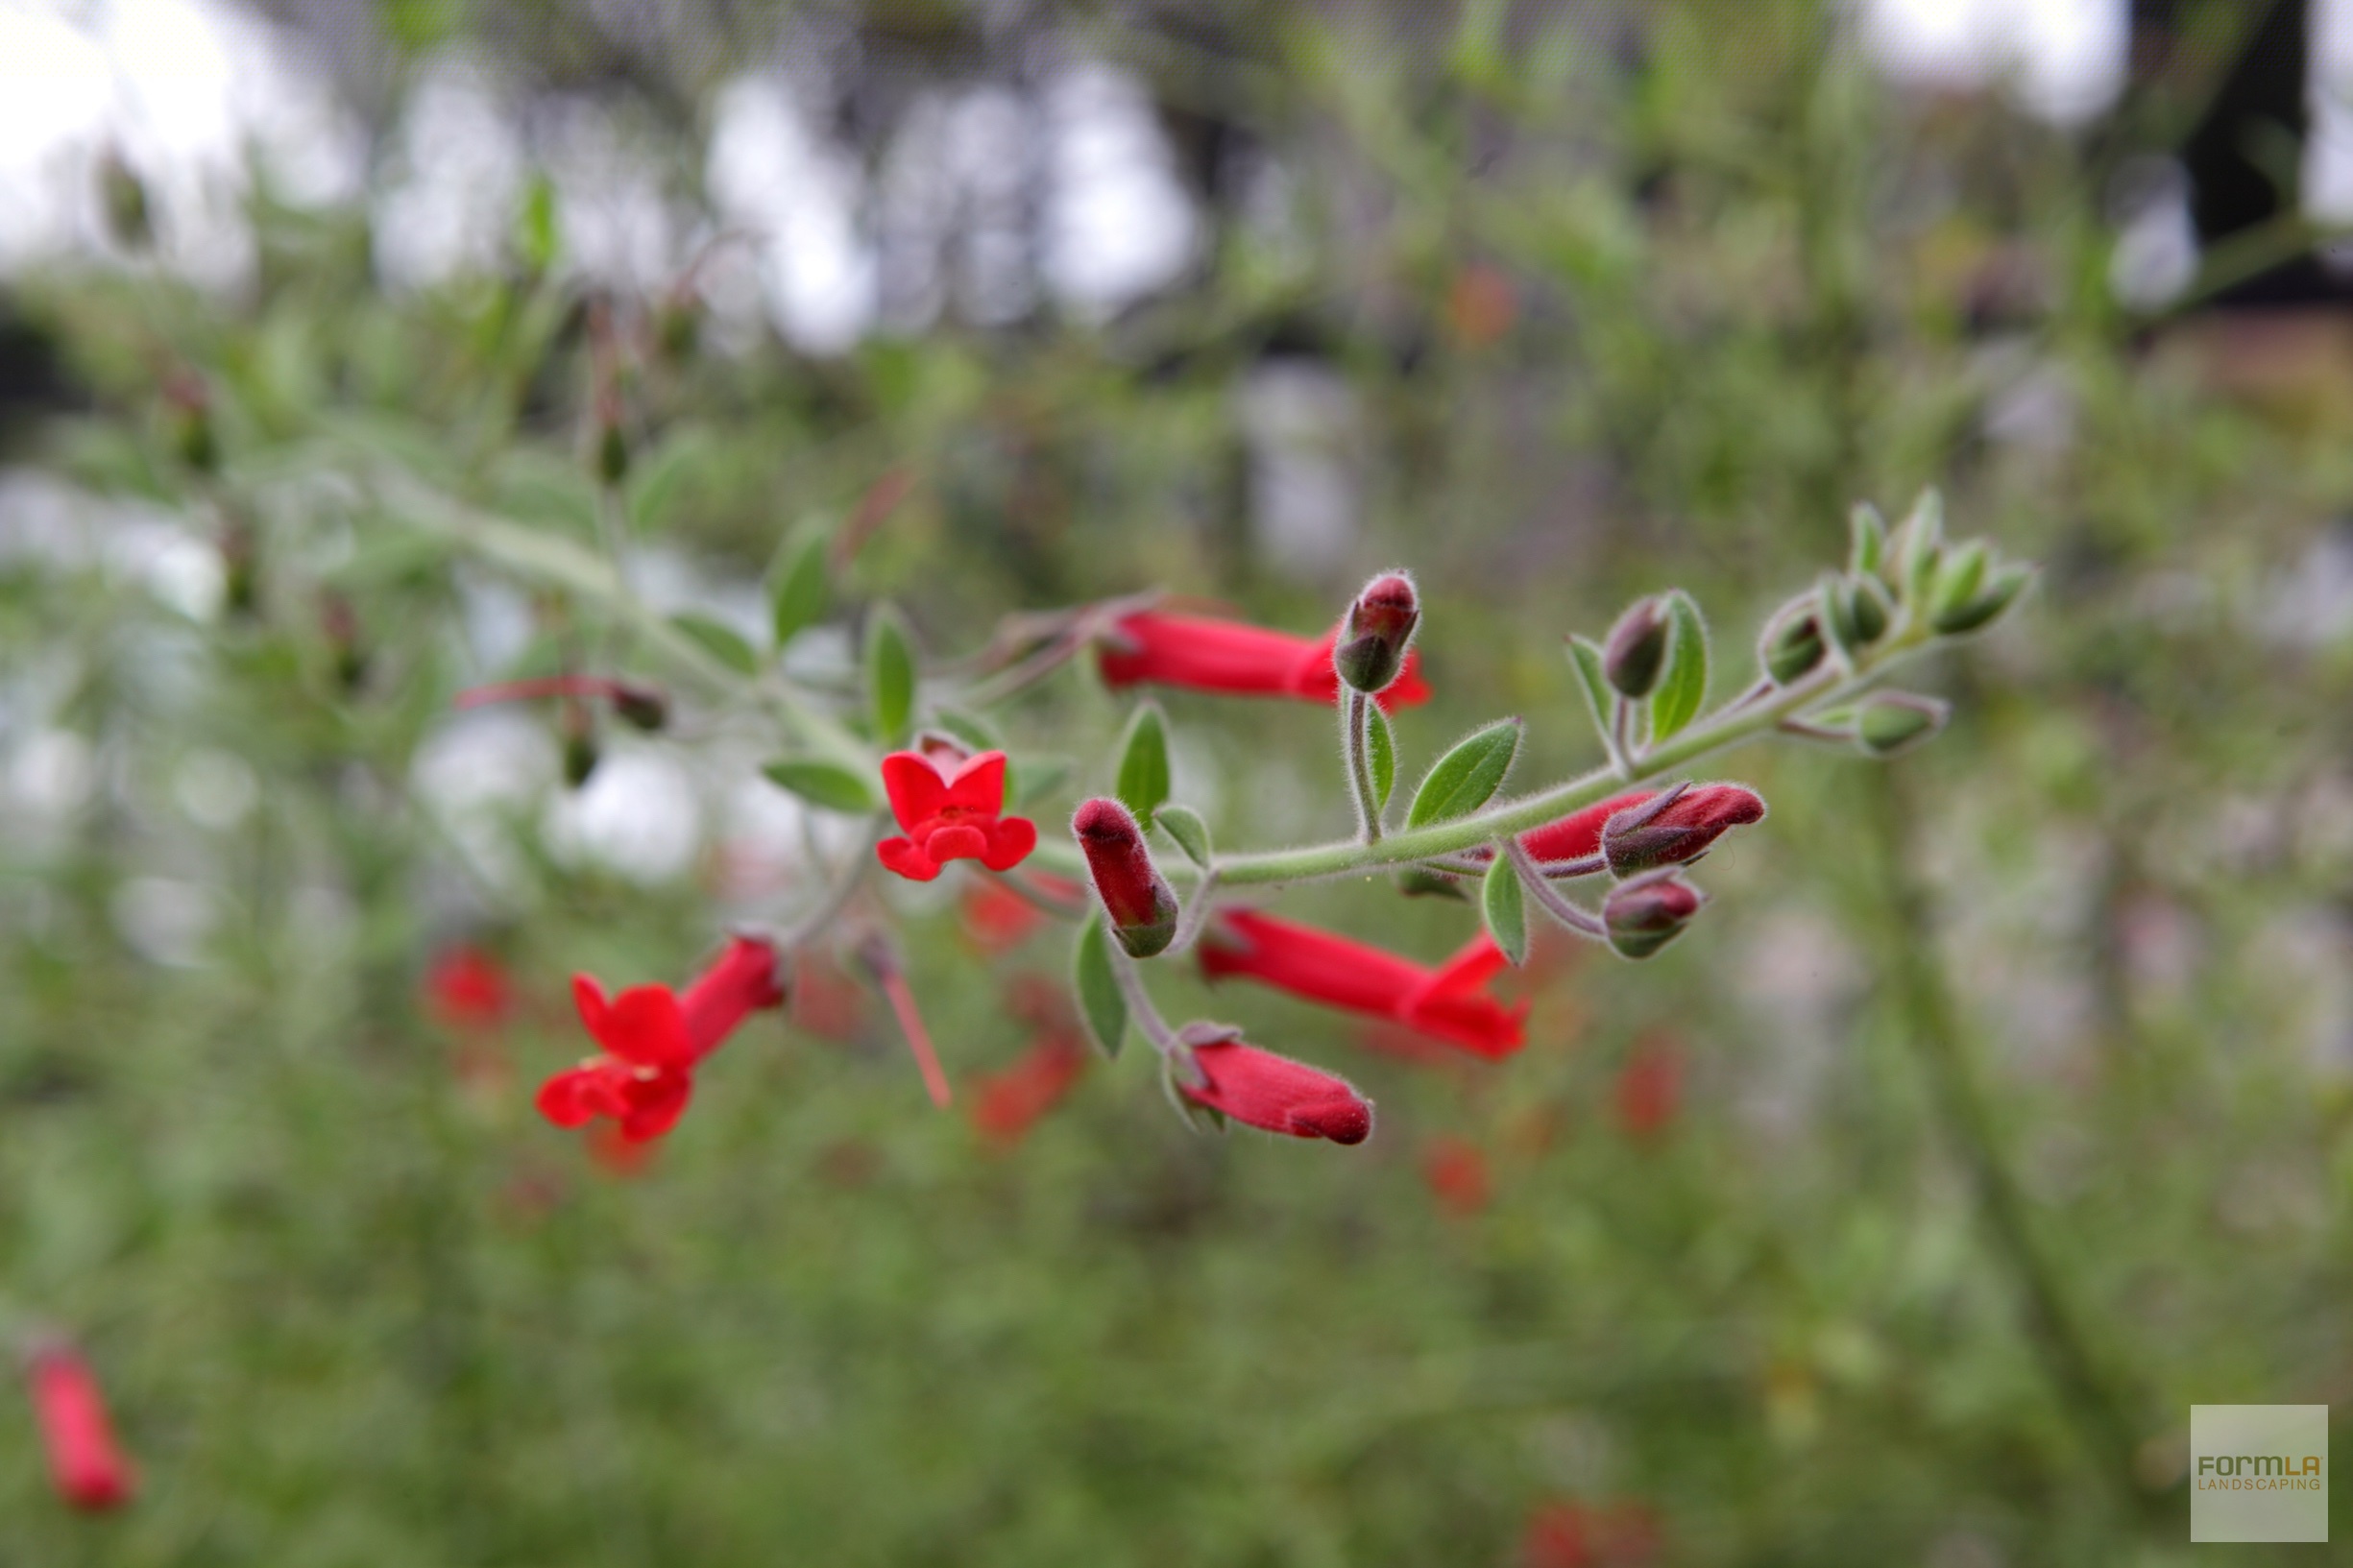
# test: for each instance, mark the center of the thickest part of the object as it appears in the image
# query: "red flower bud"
(1647, 913)
(1637, 648)
(1260, 1089)
(86, 1467)
(1677, 828)
(1142, 906)
(1371, 650)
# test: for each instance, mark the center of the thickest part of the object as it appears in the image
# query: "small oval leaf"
(1099, 1001)
(827, 784)
(1380, 754)
(1185, 825)
(1467, 777)
(890, 674)
(799, 591)
(720, 640)
(1143, 763)
(1503, 905)
(1684, 684)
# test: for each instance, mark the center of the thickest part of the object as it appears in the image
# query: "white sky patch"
(2328, 151)
(1118, 223)
(451, 204)
(184, 89)
(2063, 59)
(637, 815)
(798, 199)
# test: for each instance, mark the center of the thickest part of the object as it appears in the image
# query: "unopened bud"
(580, 754)
(1792, 644)
(1637, 648)
(640, 705)
(339, 624)
(678, 329)
(1866, 610)
(1889, 722)
(1675, 828)
(1141, 905)
(240, 568)
(123, 194)
(1958, 576)
(612, 453)
(1982, 607)
(1647, 913)
(1380, 628)
(189, 402)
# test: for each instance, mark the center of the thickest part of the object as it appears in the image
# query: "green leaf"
(1382, 753)
(890, 674)
(720, 640)
(1185, 825)
(826, 784)
(1143, 763)
(1869, 546)
(1467, 777)
(1503, 905)
(655, 485)
(798, 591)
(1099, 1001)
(534, 225)
(1600, 701)
(1682, 686)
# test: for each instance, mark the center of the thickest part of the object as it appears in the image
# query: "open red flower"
(1260, 1089)
(468, 989)
(1445, 1002)
(84, 1463)
(951, 811)
(653, 1039)
(1210, 655)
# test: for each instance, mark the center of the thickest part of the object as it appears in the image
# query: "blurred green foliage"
(2013, 1114)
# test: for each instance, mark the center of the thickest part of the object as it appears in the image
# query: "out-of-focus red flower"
(1157, 647)
(826, 1002)
(950, 811)
(466, 988)
(1580, 1536)
(86, 1463)
(1650, 1086)
(654, 1038)
(1578, 834)
(1457, 1175)
(1011, 1103)
(997, 919)
(1447, 1002)
(1481, 304)
(1260, 1089)
(881, 962)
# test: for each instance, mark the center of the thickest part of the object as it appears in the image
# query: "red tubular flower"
(950, 811)
(997, 919)
(1456, 1172)
(1210, 655)
(1578, 834)
(1011, 1103)
(1649, 1087)
(84, 1463)
(1637, 842)
(1575, 1535)
(1260, 1089)
(1445, 1002)
(467, 989)
(654, 1038)
(1138, 898)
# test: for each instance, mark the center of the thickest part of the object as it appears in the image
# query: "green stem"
(1355, 718)
(1727, 727)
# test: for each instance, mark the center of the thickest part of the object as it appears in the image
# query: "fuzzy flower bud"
(1889, 722)
(1675, 828)
(1637, 648)
(1647, 913)
(1142, 906)
(1372, 649)
(1792, 644)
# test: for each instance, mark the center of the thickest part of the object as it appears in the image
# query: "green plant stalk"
(1929, 1025)
(1355, 718)
(1729, 726)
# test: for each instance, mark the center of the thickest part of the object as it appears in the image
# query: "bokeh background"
(1996, 1112)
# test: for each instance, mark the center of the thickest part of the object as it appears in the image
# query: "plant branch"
(1355, 719)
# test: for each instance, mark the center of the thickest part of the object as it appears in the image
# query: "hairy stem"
(1554, 902)
(1355, 720)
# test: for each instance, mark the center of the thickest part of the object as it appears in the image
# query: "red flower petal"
(570, 1099)
(1577, 835)
(740, 981)
(1260, 1089)
(979, 785)
(645, 1026)
(915, 789)
(655, 1105)
(957, 841)
(1011, 844)
(904, 856)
